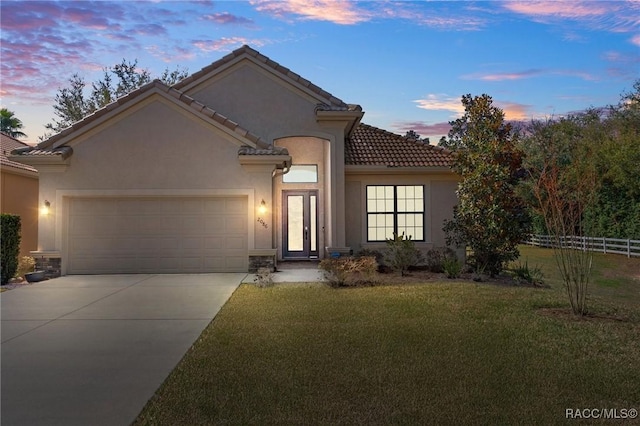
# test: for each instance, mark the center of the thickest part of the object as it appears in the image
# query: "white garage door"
(157, 235)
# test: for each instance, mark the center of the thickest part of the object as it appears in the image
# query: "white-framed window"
(301, 173)
(395, 208)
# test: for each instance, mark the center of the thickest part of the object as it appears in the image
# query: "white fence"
(599, 244)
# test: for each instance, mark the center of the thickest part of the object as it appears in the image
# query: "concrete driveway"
(92, 350)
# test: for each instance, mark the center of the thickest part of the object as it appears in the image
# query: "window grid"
(395, 208)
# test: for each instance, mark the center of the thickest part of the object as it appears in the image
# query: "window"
(301, 173)
(395, 208)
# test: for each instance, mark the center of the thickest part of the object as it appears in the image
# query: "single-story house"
(19, 193)
(239, 165)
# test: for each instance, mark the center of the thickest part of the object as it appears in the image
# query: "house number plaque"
(262, 222)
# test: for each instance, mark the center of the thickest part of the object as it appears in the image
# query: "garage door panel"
(157, 235)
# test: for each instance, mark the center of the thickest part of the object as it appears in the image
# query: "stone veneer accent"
(257, 262)
(50, 264)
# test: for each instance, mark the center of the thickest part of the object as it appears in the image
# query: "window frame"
(395, 213)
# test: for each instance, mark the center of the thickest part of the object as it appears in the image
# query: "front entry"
(300, 224)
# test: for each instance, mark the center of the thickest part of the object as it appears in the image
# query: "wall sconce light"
(262, 209)
(45, 208)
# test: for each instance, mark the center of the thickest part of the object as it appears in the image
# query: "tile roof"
(272, 150)
(335, 103)
(8, 144)
(371, 146)
(62, 151)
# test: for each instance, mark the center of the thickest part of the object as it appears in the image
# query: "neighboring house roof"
(335, 104)
(8, 144)
(371, 146)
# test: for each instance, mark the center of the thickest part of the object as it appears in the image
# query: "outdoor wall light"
(262, 209)
(45, 208)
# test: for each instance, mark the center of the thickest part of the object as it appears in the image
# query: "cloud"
(337, 11)
(636, 40)
(422, 128)
(520, 75)
(435, 102)
(227, 18)
(614, 16)
(512, 110)
(225, 44)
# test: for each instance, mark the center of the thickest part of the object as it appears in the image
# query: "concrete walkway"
(91, 350)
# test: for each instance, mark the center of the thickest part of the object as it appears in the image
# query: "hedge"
(10, 245)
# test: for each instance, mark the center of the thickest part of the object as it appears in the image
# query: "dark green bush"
(436, 258)
(10, 245)
(401, 253)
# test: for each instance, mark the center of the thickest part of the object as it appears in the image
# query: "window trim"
(395, 211)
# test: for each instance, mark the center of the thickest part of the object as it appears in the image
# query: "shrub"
(350, 271)
(26, 264)
(523, 273)
(378, 255)
(264, 277)
(452, 267)
(436, 258)
(401, 253)
(10, 245)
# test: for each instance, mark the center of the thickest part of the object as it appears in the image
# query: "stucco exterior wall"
(20, 197)
(260, 102)
(303, 150)
(440, 199)
(155, 148)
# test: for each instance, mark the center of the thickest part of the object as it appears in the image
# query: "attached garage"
(157, 235)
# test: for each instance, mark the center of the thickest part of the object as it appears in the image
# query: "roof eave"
(382, 169)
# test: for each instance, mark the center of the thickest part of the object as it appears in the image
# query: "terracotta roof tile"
(8, 144)
(371, 146)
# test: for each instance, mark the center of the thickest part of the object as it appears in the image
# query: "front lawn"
(441, 352)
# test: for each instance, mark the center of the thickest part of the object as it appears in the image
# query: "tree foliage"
(490, 218)
(74, 102)
(10, 124)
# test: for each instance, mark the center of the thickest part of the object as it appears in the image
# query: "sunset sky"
(406, 63)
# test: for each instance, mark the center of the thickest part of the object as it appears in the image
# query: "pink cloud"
(636, 40)
(422, 128)
(508, 76)
(561, 9)
(441, 103)
(225, 43)
(227, 18)
(337, 11)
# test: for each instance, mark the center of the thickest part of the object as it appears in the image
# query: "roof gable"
(155, 87)
(371, 146)
(324, 98)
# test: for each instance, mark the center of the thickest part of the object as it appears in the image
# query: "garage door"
(157, 235)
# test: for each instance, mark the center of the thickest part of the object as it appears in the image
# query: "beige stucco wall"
(440, 198)
(156, 148)
(19, 196)
(260, 101)
(303, 150)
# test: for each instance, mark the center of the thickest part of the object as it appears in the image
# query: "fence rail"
(597, 244)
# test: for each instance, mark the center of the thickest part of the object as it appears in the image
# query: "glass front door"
(300, 224)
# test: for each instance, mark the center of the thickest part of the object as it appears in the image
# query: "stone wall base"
(50, 263)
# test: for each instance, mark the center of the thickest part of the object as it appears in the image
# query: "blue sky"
(406, 63)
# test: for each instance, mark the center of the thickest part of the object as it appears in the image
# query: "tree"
(490, 218)
(72, 103)
(10, 124)
(564, 183)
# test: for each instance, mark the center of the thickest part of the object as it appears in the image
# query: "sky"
(407, 63)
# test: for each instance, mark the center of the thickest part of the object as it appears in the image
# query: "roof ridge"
(259, 57)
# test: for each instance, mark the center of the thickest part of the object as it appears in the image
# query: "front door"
(300, 224)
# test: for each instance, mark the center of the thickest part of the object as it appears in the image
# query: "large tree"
(10, 124)
(491, 219)
(73, 102)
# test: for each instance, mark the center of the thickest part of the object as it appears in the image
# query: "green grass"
(436, 353)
